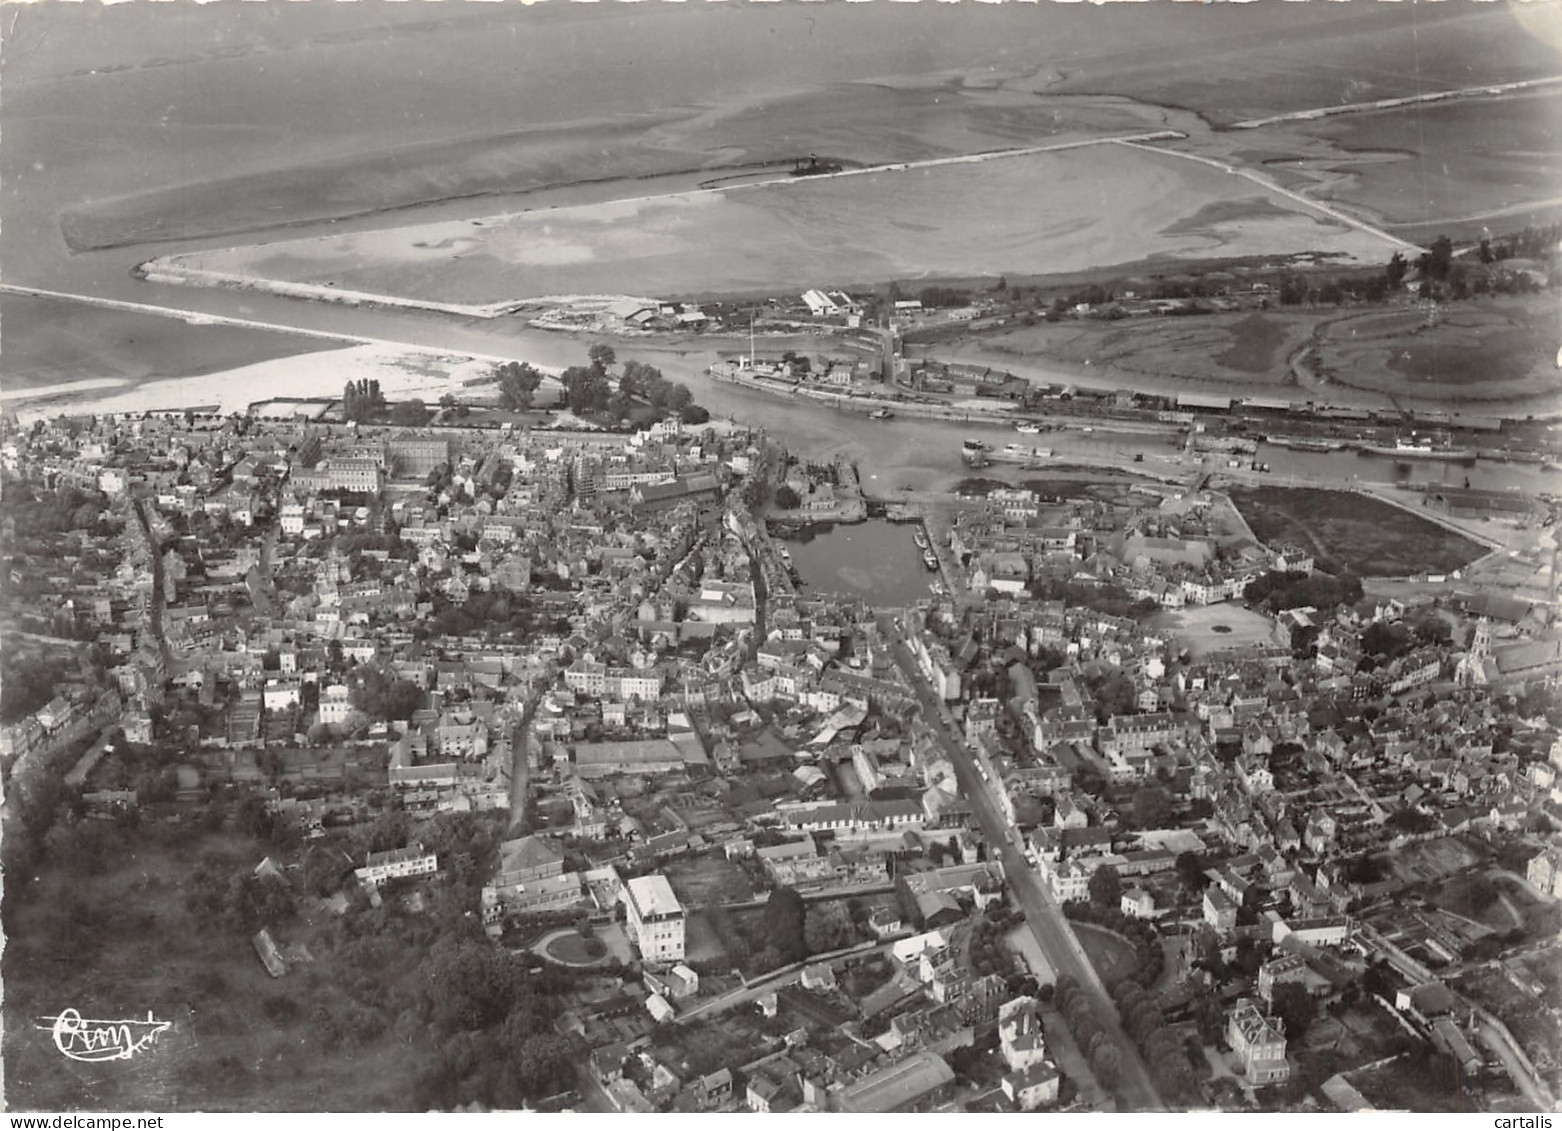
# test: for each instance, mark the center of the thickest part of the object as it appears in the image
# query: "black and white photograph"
(780, 556)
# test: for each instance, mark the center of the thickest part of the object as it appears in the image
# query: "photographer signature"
(93, 1041)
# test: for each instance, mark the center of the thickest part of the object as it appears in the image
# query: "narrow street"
(1045, 918)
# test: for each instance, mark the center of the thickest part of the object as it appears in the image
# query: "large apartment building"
(655, 919)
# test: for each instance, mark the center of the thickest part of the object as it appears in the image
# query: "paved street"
(1042, 913)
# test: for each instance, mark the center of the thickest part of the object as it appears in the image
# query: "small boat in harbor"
(920, 539)
(929, 560)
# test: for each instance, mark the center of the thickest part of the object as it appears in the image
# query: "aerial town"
(555, 706)
(781, 558)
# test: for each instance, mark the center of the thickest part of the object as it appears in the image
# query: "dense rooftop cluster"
(565, 684)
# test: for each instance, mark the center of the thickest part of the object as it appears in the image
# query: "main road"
(1042, 913)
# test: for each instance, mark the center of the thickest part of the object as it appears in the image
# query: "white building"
(655, 918)
(278, 695)
(335, 705)
(396, 864)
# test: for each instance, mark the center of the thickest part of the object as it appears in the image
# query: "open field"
(1351, 533)
(1112, 955)
(1482, 350)
(706, 880)
(966, 219)
(571, 948)
(1431, 860)
(1215, 628)
(1246, 350)
(1499, 351)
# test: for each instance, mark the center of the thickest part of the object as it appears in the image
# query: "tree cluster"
(784, 925)
(27, 682)
(988, 951)
(935, 298)
(380, 695)
(790, 930)
(362, 399)
(236, 901)
(494, 1018)
(495, 613)
(645, 382)
(1113, 600)
(1106, 888)
(39, 513)
(1190, 870)
(1151, 806)
(1277, 591)
(586, 390)
(410, 414)
(828, 927)
(518, 383)
(1412, 821)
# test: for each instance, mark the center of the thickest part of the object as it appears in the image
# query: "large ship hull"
(1452, 455)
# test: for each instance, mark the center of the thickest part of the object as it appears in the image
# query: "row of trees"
(1146, 1026)
(362, 400)
(1103, 1052)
